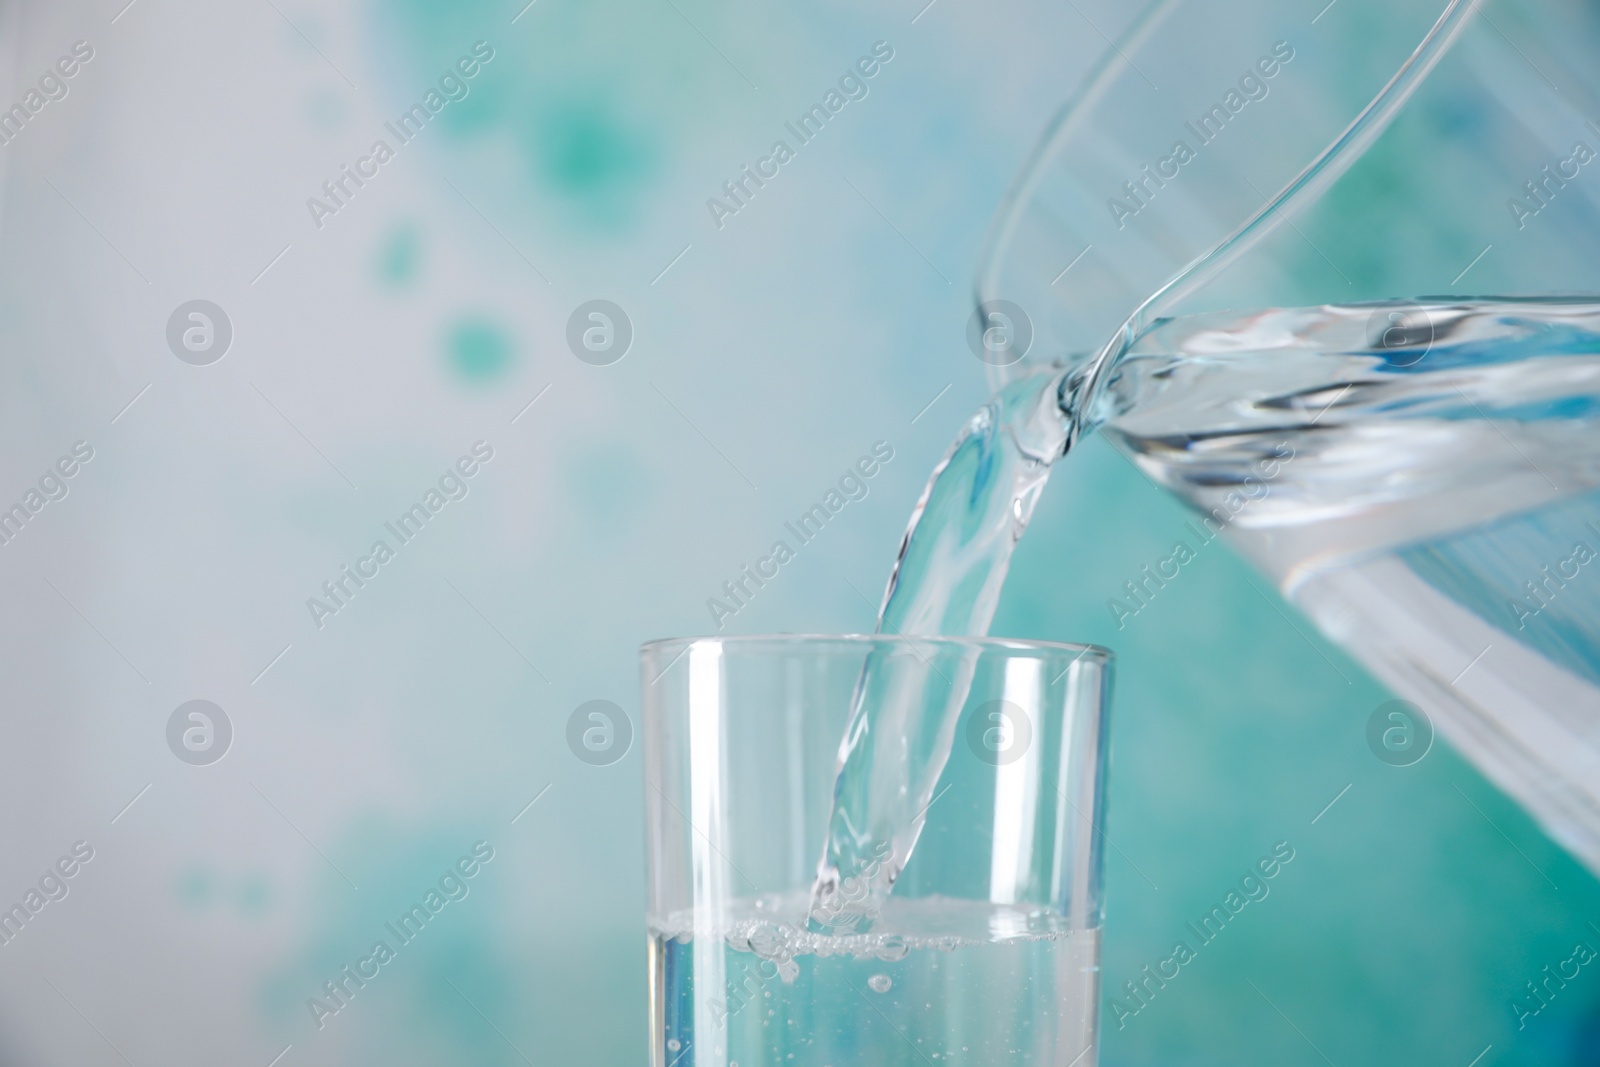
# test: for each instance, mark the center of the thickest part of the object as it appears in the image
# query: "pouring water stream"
(957, 548)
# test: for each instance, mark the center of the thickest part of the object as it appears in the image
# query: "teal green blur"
(574, 113)
(608, 487)
(479, 349)
(399, 256)
(1418, 904)
(458, 965)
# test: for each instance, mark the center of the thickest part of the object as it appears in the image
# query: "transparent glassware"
(1419, 473)
(988, 948)
(1188, 160)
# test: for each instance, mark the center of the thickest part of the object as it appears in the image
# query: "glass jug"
(1417, 473)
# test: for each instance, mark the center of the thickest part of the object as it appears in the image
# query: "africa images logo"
(999, 732)
(1399, 733)
(1252, 86)
(453, 85)
(199, 732)
(853, 85)
(453, 485)
(452, 886)
(199, 332)
(52, 85)
(599, 732)
(599, 333)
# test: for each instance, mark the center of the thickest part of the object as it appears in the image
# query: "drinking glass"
(987, 950)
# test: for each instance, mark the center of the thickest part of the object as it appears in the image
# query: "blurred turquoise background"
(428, 313)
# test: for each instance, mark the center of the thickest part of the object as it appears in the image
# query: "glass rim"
(1097, 653)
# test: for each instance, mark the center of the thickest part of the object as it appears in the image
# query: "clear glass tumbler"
(986, 952)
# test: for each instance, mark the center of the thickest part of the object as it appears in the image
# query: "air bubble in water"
(880, 983)
(892, 948)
